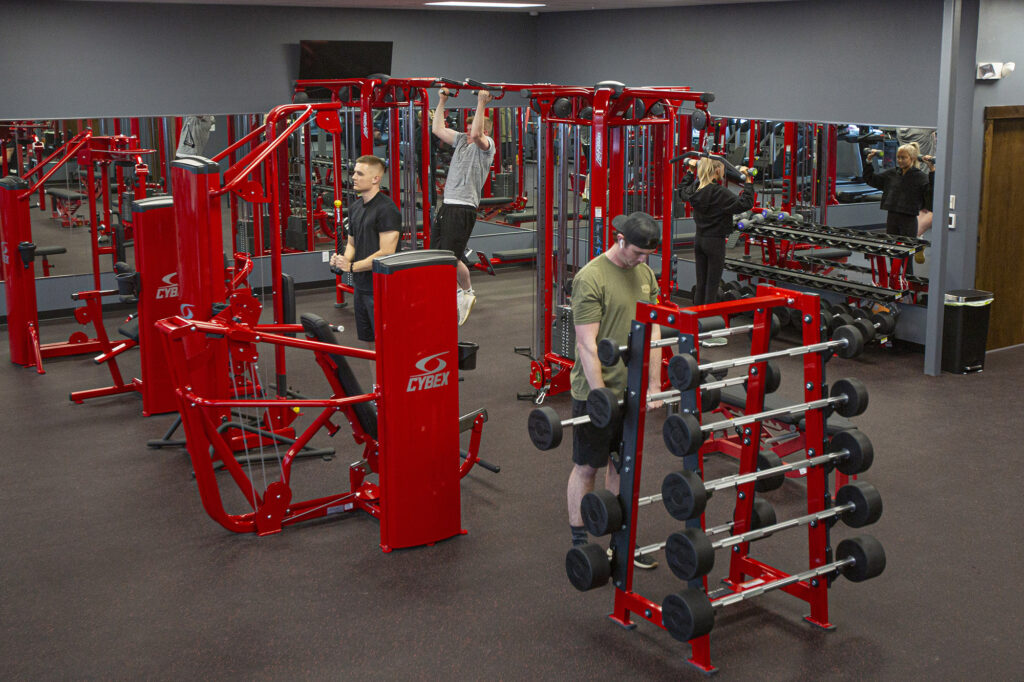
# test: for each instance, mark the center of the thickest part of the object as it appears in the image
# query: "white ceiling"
(550, 5)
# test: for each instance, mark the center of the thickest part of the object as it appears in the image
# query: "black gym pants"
(903, 225)
(709, 257)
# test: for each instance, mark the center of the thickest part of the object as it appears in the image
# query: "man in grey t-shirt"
(471, 162)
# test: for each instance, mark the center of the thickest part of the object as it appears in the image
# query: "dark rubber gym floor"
(112, 570)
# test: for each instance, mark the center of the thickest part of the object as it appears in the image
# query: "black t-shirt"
(365, 223)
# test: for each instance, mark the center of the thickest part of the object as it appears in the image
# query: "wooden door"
(1001, 225)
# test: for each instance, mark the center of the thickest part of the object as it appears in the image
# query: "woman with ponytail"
(713, 209)
(906, 190)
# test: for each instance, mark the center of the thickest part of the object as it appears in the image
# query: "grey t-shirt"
(468, 171)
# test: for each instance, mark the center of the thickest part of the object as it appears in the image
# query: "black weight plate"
(588, 566)
(684, 495)
(783, 315)
(603, 407)
(859, 313)
(866, 328)
(682, 434)
(773, 377)
(683, 372)
(762, 515)
(709, 324)
(767, 459)
(867, 503)
(689, 553)
(856, 394)
(853, 338)
(858, 445)
(602, 512)
(868, 555)
(608, 352)
(842, 318)
(687, 614)
(710, 399)
(545, 428)
(886, 322)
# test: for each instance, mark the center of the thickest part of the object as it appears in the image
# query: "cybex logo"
(170, 288)
(432, 373)
(186, 311)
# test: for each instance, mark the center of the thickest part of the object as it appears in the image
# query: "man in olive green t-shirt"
(604, 297)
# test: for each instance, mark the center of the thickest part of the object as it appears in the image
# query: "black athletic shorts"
(591, 445)
(363, 305)
(452, 227)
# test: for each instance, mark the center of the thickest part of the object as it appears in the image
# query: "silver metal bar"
(782, 582)
(768, 414)
(739, 479)
(782, 525)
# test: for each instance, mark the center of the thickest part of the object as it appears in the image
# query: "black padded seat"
(317, 329)
(42, 251)
(65, 194)
(831, 254)
(130, 329)
(521, 217)
(496, 201)
(737, 397)
(851, 194)
(514, 254)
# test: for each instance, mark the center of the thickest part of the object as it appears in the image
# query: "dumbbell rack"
(745, 572)
(781, 236)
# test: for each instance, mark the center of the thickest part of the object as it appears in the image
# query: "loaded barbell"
(690, 613)
(603, 511)
(685, 494)
(691, 554)
(545, 426)
(589, 566)
(604, 406)
(684, 434)
(609, 352)
(684, 372)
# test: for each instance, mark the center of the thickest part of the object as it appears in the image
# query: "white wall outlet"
(952, 221)
(952, 202)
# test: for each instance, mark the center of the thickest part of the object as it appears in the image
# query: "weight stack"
(503, 185)
(246, 238)
(295, 233)
(564, 338)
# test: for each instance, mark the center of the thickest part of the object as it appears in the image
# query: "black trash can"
(965, 330)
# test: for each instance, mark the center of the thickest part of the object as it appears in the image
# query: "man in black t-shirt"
(374, 226)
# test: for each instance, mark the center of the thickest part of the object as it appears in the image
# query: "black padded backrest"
(317, 329)
(287, 300)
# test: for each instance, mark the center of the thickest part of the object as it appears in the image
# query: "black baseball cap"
(639, 229)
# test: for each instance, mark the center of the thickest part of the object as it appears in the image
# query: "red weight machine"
(612, 113)
(19, 253)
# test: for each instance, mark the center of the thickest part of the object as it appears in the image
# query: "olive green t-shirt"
(603, 292)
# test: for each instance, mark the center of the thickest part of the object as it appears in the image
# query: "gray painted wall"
(819, 60)
(85, 59)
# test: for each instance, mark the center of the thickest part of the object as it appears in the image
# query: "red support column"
(156, 261)
(20, 285)
(419, 467)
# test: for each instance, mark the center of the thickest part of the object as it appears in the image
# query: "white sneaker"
(714, 341)
(466, 304)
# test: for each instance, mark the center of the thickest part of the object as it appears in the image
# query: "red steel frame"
(745, 572)
(549, 371)
(16, 229)
(210, 355)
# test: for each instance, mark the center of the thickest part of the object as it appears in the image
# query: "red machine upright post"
(156, 261)
(20, 285)
(419, 383)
